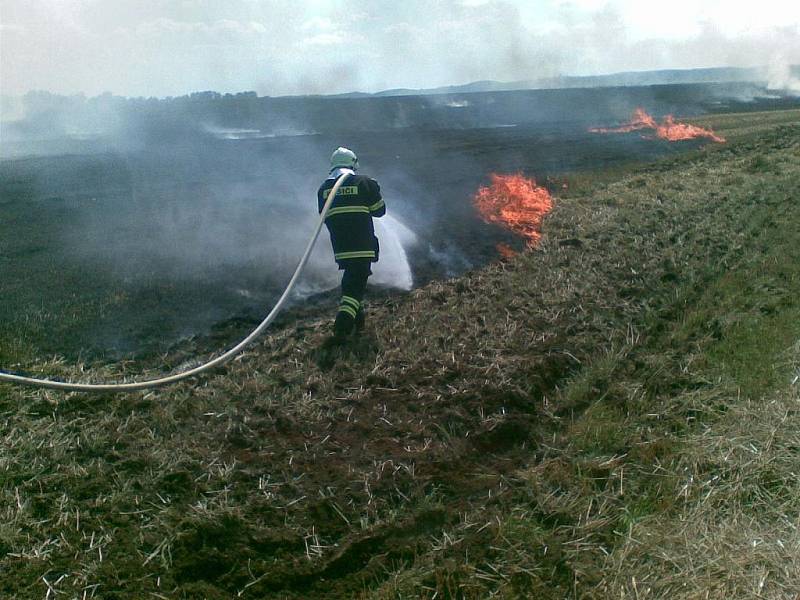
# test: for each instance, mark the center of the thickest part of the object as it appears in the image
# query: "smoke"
(210, 190)
(781, 77)
(199, 209)
(237, 133)
(232, 216)
(191, 225)
(40, 123)
(12, 108)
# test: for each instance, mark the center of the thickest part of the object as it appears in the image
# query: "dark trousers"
(354, 284)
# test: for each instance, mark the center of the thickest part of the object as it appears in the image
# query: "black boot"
(360, 321)
(342, 328)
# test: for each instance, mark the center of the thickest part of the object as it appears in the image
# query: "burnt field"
(114, 249)
(168, 242)
(611, 414)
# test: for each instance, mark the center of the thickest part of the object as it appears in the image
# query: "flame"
(673, 131)
(670, 130)
(639, 120)
(517, 203)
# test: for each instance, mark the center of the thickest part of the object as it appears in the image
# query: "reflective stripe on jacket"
(349, 218)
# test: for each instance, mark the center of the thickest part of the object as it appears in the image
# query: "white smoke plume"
(780, 76)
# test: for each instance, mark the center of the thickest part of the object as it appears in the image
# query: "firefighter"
(355, 246)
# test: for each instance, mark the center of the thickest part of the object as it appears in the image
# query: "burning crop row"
(669, 130)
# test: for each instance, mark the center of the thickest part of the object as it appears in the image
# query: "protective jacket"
(349, 218)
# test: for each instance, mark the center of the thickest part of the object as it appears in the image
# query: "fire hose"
(216, 362)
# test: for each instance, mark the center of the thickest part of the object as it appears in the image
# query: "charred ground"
(160, 244)
(545, 427)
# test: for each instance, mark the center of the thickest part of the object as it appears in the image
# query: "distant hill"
(628, 78)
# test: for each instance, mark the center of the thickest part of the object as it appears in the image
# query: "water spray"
(216, 362)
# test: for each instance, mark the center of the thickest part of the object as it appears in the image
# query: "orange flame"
(673, 131)
(517, 203)
(669, 130)
(639, 120)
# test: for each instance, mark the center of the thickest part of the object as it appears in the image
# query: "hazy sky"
(173, 47)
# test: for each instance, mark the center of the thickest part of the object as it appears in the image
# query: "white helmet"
(343, 157)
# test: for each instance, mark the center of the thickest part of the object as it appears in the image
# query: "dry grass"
(526, 430)
(734, 532)
(735, 127)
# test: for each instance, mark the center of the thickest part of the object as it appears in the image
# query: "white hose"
(220, 360)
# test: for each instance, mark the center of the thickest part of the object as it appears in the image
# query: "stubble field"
(611, 415)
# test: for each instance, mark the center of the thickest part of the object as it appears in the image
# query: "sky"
(174, 47)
